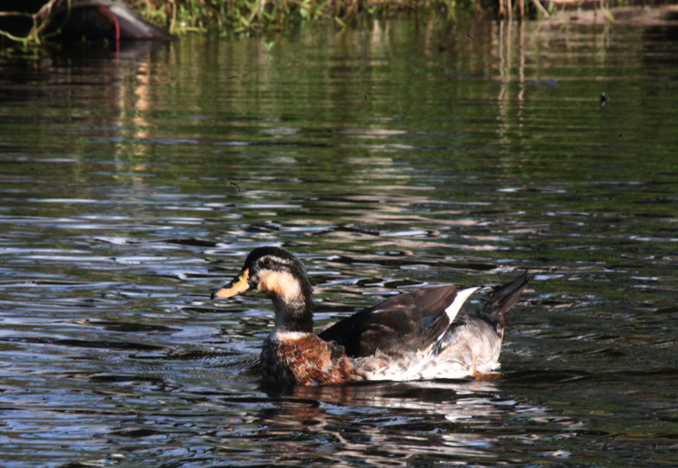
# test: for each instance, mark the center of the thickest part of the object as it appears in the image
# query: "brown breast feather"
(307, 360)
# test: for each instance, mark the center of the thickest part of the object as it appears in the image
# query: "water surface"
(134, 183)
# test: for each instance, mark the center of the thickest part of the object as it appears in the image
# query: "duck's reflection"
(389, 422)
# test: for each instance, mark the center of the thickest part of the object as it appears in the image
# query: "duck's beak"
(235, 287)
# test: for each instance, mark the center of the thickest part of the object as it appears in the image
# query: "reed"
(237, 16)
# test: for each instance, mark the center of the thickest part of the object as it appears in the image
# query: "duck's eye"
(267, 262)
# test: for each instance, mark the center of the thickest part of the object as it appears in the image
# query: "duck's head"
(280, 275)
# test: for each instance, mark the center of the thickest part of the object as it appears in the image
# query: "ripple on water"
(134, 182)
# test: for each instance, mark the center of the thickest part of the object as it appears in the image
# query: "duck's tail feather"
(500, 301)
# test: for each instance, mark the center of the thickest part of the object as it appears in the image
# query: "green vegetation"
(239, 16)
(246, 16)
(243, 16)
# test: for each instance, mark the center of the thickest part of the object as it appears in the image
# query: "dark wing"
(409, 321)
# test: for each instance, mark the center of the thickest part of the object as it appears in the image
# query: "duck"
(431, 333)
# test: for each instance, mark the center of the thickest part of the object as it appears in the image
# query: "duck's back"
(407, 322)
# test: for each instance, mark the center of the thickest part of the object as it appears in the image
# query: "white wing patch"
(454, 308)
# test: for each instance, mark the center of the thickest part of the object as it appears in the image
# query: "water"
(134, 183)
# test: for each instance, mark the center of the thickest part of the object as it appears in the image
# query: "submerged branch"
(15, 13)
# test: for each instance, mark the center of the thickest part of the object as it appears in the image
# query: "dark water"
(132, 184)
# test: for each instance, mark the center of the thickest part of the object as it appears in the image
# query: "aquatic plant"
(235, 16)
(238, 16)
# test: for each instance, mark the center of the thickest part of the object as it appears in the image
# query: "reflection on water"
(132, 183)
